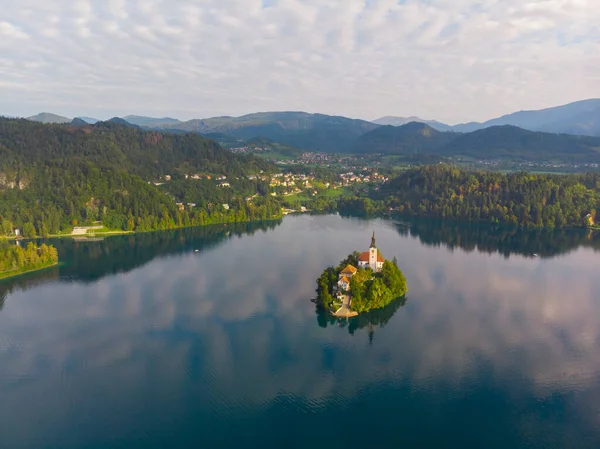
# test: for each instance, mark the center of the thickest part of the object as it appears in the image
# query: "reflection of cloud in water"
(237, 316)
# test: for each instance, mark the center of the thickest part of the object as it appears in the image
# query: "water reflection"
(220, 349)
(370, 320)
(92, 260)
(543, 243)
(25, 282)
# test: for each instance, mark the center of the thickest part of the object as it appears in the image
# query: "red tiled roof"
(344, 279)
(349, 270)
(364, 257)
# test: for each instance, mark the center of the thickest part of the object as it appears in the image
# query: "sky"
(449, 60)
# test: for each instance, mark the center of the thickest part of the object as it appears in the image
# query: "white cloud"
(450, 60)
(10, 31)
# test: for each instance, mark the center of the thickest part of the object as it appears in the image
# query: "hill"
(581, 117)
(47, 117)
(496, 142)
(150, 122)
(314, 132)
(499, 142)
(412, 138)
(55, 176)
(264, 147)
(399, 121)
(522, 199)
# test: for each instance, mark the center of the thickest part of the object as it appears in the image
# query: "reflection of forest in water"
(368, 320)
(91, 260)
(544, 243)
(26, 281)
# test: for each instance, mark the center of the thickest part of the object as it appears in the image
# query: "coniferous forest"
(54, 177)
(520, 199)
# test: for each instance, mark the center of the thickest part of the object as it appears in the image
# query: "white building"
(371, 259)
(343, 283)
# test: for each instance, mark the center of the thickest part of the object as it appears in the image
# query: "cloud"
(450, 60)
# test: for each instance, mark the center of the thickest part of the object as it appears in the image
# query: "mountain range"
(569, 132)
(495, 142)
(579, 118)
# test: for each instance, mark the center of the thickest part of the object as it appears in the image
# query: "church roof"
(349, 270)
(364, 257)
(344, 279)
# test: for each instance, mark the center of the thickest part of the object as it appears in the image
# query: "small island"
(16, 260)
(361, 282)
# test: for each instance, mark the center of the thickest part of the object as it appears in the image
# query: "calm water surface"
(142, 342)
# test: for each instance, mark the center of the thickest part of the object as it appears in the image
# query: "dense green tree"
(15, 259)
(524, 199)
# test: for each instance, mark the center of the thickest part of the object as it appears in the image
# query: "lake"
(207, 338)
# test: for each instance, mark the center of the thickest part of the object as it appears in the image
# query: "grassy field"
(329, 194)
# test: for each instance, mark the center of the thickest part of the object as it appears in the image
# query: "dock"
(344, 311)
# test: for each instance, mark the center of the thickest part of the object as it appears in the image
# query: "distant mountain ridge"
(89, 120)
(581, 118)
(399, 121)
(47, 117)
(150, 122)
(314, 132)
(495, 142)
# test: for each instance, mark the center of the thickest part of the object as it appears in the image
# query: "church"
(372, 258)
(367, 259)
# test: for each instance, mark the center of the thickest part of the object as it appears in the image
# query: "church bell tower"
(373, 254)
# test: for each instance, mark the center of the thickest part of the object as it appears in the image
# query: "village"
(285, 184)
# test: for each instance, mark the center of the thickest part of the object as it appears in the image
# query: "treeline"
(521, 199)
(15, 259)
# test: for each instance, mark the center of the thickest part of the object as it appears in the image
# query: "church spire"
(373, 241)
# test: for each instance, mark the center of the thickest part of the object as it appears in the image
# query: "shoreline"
(21, 273)
(117, 232)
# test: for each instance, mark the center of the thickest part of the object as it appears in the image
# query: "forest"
(54, 177)
(14, 259)
(519, 199)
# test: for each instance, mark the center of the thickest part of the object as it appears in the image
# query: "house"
(343, 283)
(371, 259)
(349, 271)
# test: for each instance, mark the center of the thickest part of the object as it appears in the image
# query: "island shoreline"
(4, 277)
